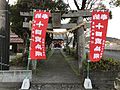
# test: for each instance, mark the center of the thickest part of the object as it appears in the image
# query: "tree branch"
(83, 4)
(76, 4)
(88, 3)
(69, 4)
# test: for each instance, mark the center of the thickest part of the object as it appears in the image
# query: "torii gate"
(80, 30)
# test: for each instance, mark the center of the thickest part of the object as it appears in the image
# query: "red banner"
(38, 34)
(98, 34)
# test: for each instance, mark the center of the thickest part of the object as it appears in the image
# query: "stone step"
(56, 86)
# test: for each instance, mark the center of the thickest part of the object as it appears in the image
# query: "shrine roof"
(15, 38)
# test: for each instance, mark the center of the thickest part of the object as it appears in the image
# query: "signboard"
(38, 34)
(98, 34)
(25, 24)
(26, 13)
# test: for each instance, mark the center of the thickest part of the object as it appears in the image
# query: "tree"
(117, 3)
(49, 5)
(27, 5)
(88, 4)
(16, 20)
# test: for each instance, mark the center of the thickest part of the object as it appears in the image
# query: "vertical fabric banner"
(98, 34)
(38, 34)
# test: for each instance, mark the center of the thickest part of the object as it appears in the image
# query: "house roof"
(14, 38)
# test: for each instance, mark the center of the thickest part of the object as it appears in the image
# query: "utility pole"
(4, 36)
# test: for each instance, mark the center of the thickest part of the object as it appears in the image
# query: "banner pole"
(34, 65)
(88, 68)
(28, 64)
(87, 82)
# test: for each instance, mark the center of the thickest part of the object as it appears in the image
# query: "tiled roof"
(14, 38)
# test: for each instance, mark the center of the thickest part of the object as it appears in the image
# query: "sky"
(113, 24)
(12, 2)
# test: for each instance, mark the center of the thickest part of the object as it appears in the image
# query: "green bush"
(17, 61)
(105, 64)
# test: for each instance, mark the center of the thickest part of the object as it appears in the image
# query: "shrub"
(105, 64)
(17, 61)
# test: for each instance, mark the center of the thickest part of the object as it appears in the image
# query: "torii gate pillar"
(80, 43)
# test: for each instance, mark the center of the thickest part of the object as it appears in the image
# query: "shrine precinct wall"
(12, 78)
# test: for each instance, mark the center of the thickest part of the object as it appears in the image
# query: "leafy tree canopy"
(117, 3)
(27, 5)
(16, 19)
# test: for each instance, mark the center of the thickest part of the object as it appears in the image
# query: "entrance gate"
(78, 25)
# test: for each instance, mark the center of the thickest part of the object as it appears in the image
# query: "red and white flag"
(98, 34)
(38, 34)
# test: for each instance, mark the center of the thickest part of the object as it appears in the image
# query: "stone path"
(56, 86)
(56, 74)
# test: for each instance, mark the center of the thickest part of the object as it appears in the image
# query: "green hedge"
(17, 61)
(105, 64)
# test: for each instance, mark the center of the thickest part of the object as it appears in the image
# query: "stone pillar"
(4, 36)
(80, 43)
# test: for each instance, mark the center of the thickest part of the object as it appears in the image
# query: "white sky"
(12, 2)
(113, 24)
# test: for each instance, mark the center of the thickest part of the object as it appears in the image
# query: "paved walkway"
(56, 74)
(56, 70)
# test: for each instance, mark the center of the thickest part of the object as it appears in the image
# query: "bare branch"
(83, 4)
(88, 3)
(92, 3)
(69, 4)
(76, 4)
